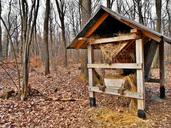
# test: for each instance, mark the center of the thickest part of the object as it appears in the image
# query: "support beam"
(90, 77)
(140, 78)
(135, 30)
(117, 66)
(114, 91)
(162, 69)
(150, 53)
(152, 36)
(126, 37)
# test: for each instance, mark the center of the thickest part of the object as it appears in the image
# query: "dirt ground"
(60, 100)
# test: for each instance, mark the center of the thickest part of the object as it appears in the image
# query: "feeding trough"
(125, 45)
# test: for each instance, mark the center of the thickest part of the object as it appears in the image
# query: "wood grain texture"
(140, 73)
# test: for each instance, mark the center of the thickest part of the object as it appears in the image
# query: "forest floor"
(60, 100)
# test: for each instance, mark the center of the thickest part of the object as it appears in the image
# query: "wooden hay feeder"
(132, 50)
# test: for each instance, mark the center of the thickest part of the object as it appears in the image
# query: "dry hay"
(129, 83)
(110, 50)
(106, 118)
(122, 52)
(127, 55)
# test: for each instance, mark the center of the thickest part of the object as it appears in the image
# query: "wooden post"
(140, 77)
(162, 71)
(90, 77)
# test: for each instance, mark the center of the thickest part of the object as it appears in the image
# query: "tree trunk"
(158, 13)
(64, 43)
(25, 71)
(109, 3)
(27, 33)
(0, 34)
(85, 15)
(45, 36)
(139, 6)
(61, 7)
(7, 45)
(158, 29)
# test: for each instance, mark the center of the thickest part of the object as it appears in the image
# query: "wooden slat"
(132, 36)
(146, 33)
(117, 83)
(117, 66)
(93, 28)
(115, 92)
(140, 74)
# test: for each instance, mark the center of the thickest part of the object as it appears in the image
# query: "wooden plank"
(135, 30)
(152, 36)
(140, 74)
(117, 66)
(93, 28)
(90, 71)
(146, 33)
(150, 50)
(162, 69)
(132, 36)
(117, 83)
(115, 92)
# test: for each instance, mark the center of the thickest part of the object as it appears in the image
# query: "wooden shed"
(124, 38)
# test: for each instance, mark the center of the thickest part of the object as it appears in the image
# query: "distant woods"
(44, 28)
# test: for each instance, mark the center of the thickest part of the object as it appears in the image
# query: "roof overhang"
(98, 18)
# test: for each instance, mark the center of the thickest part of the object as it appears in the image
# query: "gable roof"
(101, 14)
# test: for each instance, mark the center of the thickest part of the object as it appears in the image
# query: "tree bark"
(139, 6)
(61, 7)
(158, 29)
(0, 34)
(45, 36)
(28, 24)
(109, 3)
(85, 15)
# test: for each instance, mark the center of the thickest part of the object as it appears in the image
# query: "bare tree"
(51, 29)
(45, 36)
(158, 13)
(0, 33)
(140, 15)
(73, 17)
(9, 24)
(28, 22)
(158, 4)
(109, 3)
(61, 8)
(85, 15)
(168, 9)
